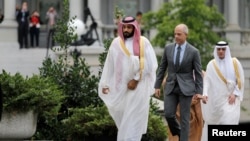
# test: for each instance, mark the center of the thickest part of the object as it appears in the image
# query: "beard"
(128, 35)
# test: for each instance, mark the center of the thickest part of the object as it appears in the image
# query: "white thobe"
(218, 110)
(128, 108)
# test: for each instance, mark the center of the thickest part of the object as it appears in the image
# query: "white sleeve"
(107, 71)
(206, 79)
(237, 91)
(137, 76)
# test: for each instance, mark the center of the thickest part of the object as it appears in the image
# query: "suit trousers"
(23, 29)
(170, 106)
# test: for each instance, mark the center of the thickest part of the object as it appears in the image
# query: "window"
(244, 13)
(130, 7)
(219, 3)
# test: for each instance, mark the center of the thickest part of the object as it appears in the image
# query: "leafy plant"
(34, 93)
(95, 123)
(157, 130)
(119, 13)
(90, 122)
(75, 79)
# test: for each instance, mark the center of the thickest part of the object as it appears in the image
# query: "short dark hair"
(138, 13)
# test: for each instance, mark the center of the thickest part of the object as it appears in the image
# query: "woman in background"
(35, 24)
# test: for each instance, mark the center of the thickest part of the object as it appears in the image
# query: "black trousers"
(50, 38)
(34, 36)
(23, 29)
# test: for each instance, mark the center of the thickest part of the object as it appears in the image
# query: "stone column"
(8, 28)
(76, 9)
(156, 4)
(233, 30)
(233, 14)
(9, 10)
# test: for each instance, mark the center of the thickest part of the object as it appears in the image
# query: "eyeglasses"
(223, 49)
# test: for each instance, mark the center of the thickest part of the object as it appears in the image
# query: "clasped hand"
(105, 90)
(132, 84)
(231, 99)
(157, 93)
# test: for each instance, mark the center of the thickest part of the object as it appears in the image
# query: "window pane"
(130, 7)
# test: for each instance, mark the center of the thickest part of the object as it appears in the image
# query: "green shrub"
(79, 86)
(157, 130)
(89, 122)
(31, 93)
(95, 123)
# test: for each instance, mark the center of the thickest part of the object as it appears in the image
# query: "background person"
(139, 20)
(51, 18)
(22, 17)
(35, 23)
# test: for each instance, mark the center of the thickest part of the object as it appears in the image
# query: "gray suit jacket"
(189, 69)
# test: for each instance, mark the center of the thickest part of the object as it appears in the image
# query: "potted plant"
(23, 99)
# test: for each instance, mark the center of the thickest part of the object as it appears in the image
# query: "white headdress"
(225, 64)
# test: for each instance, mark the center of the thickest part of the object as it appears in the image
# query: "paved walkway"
(24, 61)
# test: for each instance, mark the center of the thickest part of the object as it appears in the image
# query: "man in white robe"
(127, 80)
(223, 89)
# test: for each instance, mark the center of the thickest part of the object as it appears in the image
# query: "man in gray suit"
(182, 64)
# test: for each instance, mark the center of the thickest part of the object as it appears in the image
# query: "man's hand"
(204, 99)
(157, 93)
(105, 90)
(197, 97)
(231, 99)
(132, 84)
